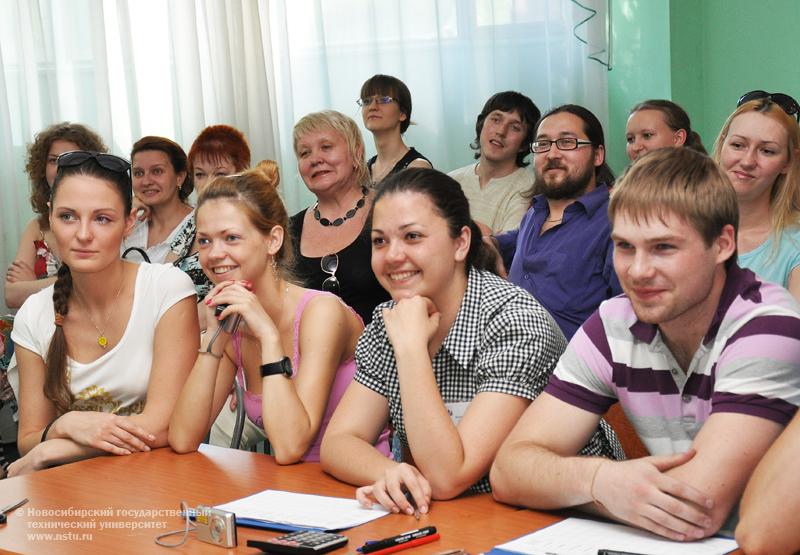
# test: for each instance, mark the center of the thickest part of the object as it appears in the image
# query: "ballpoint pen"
(9, 508)
(12, 506)
(410, 499)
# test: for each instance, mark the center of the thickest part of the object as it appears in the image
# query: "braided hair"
(56, 381)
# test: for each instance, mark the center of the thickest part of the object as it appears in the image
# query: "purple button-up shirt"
(569, 268)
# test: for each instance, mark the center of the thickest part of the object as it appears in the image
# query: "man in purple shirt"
(562, 251)
(703, 357)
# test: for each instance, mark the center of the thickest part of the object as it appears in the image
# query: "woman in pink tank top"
(293, 348)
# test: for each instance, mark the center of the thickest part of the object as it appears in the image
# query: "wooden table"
(89, 503)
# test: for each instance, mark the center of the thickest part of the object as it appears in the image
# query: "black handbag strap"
(136, 249)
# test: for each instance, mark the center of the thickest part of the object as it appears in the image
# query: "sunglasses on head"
(108, 161)
(786, 102)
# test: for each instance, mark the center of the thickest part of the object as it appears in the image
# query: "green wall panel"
(747, 45)
(703, 54)
(640, 66)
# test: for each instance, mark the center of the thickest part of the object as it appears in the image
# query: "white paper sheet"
(578, 536)
(299, 509)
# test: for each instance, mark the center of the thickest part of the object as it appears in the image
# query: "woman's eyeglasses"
(108, 161)
(329, 265)
(786, 102)
(364, 102)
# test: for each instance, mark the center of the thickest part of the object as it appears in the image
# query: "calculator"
(302, 542)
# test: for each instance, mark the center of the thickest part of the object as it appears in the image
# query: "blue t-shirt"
(774, 264)
(569, 268)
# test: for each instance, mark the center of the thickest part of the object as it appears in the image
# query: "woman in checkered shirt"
(452, 360)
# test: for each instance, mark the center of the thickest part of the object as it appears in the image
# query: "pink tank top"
(344, 375)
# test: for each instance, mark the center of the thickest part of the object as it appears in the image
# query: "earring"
(275, 269)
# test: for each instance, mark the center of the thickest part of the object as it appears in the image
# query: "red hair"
(218, 143)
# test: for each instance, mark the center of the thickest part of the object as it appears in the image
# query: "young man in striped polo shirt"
(703, 357)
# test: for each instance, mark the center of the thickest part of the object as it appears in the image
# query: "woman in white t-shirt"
(103, 352)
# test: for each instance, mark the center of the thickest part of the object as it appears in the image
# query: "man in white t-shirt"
(496, 184)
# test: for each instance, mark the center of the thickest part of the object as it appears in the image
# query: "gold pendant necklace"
(102, 340)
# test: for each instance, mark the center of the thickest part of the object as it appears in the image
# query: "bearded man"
(562, 252)
(702, 356)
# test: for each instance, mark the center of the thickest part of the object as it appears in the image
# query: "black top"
(359, 287)
(401, 164)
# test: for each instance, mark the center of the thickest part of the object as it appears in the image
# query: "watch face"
(286, 367)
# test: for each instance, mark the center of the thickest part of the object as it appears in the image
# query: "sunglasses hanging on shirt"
(329, 264)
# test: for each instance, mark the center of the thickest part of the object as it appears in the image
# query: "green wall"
(640, 67)
(687, 53)
(703, 54)
(747, 45)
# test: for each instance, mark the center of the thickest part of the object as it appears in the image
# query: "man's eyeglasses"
(786, 102)
(108, 161)
(566, 143)
(364, 102)
(329, 265)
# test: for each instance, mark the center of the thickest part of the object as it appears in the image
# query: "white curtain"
(128, 69)
(452, 54)
(155, 67)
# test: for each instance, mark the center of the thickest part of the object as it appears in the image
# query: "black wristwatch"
(283, 366)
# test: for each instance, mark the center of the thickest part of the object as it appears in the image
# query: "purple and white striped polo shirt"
(749, 363)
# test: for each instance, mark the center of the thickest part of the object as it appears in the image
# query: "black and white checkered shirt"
(502, 341)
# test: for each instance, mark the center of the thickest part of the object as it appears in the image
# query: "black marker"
(397, 540)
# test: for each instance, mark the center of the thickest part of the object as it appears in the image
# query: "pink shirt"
(344, 375)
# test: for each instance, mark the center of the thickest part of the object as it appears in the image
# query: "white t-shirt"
(501, 204)
(117, 381)
(158, 252)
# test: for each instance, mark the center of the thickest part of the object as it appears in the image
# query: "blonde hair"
(785, 196)
(679, 181)
(256, 192)
(331, 120)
